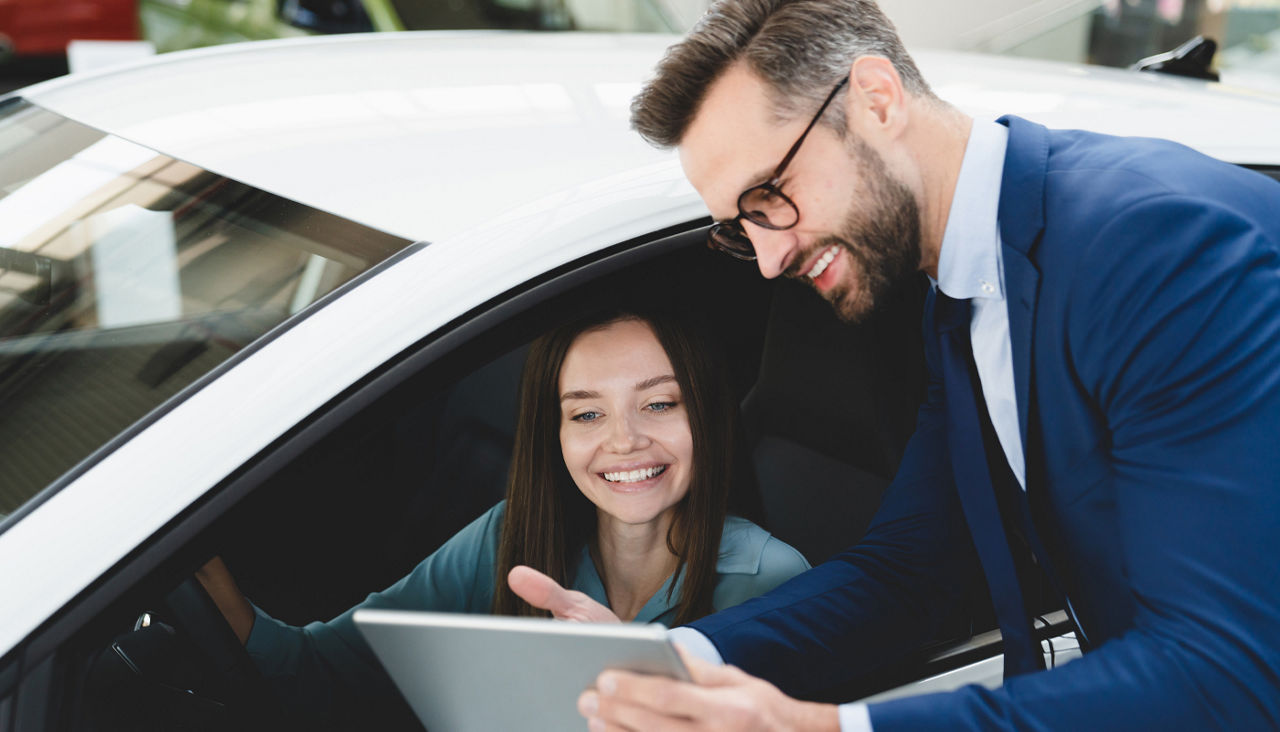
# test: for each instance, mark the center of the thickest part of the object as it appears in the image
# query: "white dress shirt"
(970, 267)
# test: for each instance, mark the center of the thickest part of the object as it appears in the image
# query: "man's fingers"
(609, 714)
(706, 673)
(542, 592)
(726, 698)
(621, 691)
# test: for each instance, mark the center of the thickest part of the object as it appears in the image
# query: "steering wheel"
(196, 616)
(179, 667)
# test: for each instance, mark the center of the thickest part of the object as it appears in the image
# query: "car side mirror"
(1192, 59)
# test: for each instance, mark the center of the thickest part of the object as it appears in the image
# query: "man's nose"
(775, 250)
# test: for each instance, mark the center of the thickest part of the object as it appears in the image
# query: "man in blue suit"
(1104, 350)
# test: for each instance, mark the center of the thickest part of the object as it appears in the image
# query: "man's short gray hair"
(800, 48)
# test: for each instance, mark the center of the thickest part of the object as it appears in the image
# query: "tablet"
(485, 673)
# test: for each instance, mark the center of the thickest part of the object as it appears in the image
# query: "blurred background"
(44, 38)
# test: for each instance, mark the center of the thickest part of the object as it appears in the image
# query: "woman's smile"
(635, 476)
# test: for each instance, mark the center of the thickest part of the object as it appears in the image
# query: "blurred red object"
(44, 27)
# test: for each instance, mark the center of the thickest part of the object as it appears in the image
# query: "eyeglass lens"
(729, 238)
(763, 205)
(767, 206)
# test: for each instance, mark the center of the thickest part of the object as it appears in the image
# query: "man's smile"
(820, 265)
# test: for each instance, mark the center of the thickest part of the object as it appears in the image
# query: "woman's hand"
(544, 593)
(221, 586)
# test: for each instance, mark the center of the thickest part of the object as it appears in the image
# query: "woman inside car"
(623, 475)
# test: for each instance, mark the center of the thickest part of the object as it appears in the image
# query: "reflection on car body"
(127, 282)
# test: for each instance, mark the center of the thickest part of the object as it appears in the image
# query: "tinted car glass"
(126, 275)
(555, 15)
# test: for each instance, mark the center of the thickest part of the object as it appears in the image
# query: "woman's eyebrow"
(650, 383)
(641, 386)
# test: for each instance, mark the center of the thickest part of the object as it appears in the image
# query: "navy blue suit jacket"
(1143, 286)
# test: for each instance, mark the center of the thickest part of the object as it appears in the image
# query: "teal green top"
(317, 665)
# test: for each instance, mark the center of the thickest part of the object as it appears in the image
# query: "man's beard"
(881, 238)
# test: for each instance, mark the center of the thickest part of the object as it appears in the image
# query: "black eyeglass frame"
(724, 235)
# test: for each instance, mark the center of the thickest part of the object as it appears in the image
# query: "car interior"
(350, 501)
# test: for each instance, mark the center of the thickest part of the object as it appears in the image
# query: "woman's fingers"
(544, 593)
(537, 589)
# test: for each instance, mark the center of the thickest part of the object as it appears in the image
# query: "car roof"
(426, 134)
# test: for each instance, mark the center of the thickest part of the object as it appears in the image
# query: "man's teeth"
(633, 476)
(821, 265)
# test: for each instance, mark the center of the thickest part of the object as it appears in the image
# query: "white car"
(268, 301)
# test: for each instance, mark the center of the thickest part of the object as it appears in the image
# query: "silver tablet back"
(465, 673)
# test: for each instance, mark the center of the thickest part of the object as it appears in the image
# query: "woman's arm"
(221, 586)
(325, 672)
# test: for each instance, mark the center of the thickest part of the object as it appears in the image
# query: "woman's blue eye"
(662, 406)
(585, 417)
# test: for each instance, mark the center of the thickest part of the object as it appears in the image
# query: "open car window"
(127, 275)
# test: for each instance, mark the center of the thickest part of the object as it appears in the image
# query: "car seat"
(831, 412)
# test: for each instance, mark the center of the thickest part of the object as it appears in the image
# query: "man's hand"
(720, 697)
(544, 593)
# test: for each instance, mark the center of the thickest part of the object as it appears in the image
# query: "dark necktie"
(977, 493)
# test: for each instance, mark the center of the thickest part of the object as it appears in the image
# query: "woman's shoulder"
(745, 548)
(752, 562)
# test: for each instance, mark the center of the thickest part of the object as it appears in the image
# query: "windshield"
(126, 275)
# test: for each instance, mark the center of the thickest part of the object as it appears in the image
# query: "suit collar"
(1026, 162)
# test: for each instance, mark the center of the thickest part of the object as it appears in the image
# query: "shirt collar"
(587, 580)
(969, 262)
(741, 550)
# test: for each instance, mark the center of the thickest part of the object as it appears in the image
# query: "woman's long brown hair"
(548, 520)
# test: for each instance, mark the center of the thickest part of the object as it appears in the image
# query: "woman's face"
(624, 430)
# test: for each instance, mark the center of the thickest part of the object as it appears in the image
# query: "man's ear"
(875, 105)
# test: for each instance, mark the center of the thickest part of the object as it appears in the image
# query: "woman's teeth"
(821, 265)
(634, 476)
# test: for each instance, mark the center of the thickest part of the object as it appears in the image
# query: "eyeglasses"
(765, 204)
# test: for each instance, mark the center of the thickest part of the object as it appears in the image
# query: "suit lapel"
(1021, 217)
(1022, 285)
